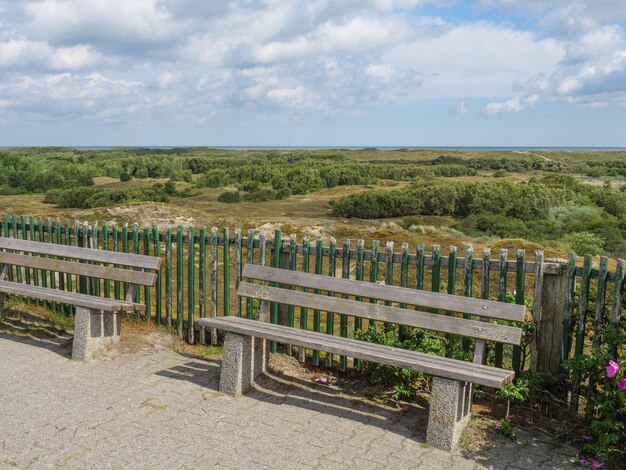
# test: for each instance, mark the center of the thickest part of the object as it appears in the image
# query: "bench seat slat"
(403, 295)
(83, 269)
(430, 321)
(80, 300)
(433, 365)
(85, 254)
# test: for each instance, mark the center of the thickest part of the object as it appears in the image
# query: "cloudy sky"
(318, 72)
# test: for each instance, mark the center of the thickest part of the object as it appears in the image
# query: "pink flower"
(622, 384)
(584, 463)
(596, 464)
(498, 426)
(612, 369)
(321, 380)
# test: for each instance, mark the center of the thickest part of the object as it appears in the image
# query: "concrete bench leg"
(94, 331)
(236, 376)
(260, 357)
(450, 404)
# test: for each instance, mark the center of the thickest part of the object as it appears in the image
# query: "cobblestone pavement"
(159, 409)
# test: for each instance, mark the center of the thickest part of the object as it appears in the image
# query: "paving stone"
(158, 409)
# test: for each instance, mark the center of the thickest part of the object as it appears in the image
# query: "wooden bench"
(97, 322)
(246, 352)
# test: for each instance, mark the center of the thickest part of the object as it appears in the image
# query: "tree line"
(545, 209)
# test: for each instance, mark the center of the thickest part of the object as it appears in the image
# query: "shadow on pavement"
(408, 421)
(26, 328)
(205, 373)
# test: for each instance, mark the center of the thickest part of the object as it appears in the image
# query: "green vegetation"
(403, 383)
(587, 218)
(565, 200)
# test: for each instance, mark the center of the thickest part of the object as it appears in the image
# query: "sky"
(313, 73)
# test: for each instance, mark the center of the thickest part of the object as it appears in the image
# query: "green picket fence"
(202, 270)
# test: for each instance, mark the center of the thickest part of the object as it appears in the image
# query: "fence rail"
(571, 304)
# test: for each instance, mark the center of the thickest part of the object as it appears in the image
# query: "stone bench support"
(94, 332)
(450, 406)
(245, 358)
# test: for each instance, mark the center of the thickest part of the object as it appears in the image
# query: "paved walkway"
(159, 409)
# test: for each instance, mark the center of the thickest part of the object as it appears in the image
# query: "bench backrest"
(49, 254)
(481, 330)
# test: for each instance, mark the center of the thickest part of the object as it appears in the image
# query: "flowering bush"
(506, 428)
(606, 408)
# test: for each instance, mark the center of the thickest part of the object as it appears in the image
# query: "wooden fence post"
(283, 309)
(549, 318)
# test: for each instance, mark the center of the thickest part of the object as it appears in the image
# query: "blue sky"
(320, 72)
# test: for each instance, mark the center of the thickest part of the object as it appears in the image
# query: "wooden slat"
(429, 321)
(86, 254)
(81, 269)
(433, 365)
(479, 307)
(252, 327)
(80, 300)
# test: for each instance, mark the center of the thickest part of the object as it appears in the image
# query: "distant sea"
(329, 147)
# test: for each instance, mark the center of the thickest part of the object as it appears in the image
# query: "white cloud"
(75, 58)
(476, 60)
(17, 52)
(382, 72)
(112, 22)
(358, 34)
(22, 53)
(275, 58)
(514, 105)
(297, 97)
(167, 79)
(75, 96)
(601, 10)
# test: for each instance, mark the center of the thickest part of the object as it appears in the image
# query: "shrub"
(229, 197)
(214, 179)
(125, 176)
(402, 382)
(606, 409)
(261, 195)
(170, 188)
(283, 193)
(411, 221)
(84, 198)
(584, 243)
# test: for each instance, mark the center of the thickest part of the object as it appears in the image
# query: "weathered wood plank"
(180, 307)
(429, 321)
(202, 281)
(432, 365)
(536, 312)
(214, 255)
(566, 344)
(373, 276)
(81, 269)
(250, 259)
(598, 320)
(191, 284)
(80, 300)
(253, 327)
(157, 252)
(168, 276)
(317, 319)
(86, 254)
(618, 292)
(479, 307)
